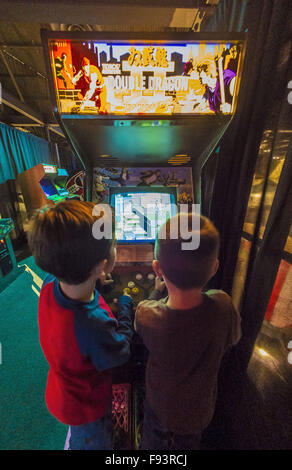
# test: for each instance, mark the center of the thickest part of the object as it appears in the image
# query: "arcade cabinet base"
(121, 417)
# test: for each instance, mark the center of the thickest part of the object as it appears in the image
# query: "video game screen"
(139, 214)
(48, 187)
(62, 191)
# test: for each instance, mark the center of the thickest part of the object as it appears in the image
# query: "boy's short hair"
(62, 242)
(188, 269)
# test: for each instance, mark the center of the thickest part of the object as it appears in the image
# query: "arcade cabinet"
(7, 258)
(143, 125)
(53, 184)
(43, 184)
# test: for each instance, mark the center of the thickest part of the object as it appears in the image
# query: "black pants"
(156, 437)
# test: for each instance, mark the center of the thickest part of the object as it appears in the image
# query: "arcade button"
(115, 301)
(131, 284)
(126, 290)
(151, 276)
(135, 290)
(139, 276)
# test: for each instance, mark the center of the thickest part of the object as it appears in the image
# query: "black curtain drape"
(262, 89)
(265, 21)
(266, 261)
(229, 16)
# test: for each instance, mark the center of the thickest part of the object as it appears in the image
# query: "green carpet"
(25, 421)
(9, 278)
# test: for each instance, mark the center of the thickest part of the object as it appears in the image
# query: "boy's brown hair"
(188, 269)
(62, 242)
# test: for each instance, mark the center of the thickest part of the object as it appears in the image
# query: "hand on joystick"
(126, 291)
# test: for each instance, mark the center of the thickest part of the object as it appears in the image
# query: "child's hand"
(159, 284)
(106, 279)
(126, 292)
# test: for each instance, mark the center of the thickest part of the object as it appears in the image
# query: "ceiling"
(25, 92)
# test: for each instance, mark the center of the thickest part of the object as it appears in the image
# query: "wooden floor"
(254, 412)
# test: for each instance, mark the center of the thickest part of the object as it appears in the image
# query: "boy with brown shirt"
(187, 335)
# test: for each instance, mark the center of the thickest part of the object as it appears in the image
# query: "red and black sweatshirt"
(82, 342)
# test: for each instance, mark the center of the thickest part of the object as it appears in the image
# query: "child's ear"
(157, 269)
(215, 267)
(102, 265)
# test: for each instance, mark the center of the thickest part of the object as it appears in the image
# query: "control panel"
(138, 282)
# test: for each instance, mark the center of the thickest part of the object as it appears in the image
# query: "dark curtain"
(265, 262)
(229, 16)
(69, 161)
(265, 21)
(20, 151)
(262, 88)
(209, 171)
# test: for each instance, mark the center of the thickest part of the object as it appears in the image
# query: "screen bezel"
(172, 190)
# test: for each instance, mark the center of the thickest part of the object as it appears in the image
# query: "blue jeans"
(156, 437)
(93, 436)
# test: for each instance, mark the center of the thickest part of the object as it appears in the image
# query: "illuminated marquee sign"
(149, 78)
(50, 168)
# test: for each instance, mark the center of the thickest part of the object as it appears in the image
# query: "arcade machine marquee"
(143, 114)
(139, 100)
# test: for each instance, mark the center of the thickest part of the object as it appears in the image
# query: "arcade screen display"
(146, 77)
(62, 191)
(139, 213)
(48, 187)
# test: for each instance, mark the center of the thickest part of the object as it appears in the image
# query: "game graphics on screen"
(139, 215)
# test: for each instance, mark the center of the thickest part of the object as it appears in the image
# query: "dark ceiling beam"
(136, 13)
(20, 75)
(17, 124)
(21, 46)
(12, 102)
(11, 118)
(11, 56)
(126, 3)
(11, 75)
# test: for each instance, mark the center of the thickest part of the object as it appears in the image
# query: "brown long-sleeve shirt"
(185, 351)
